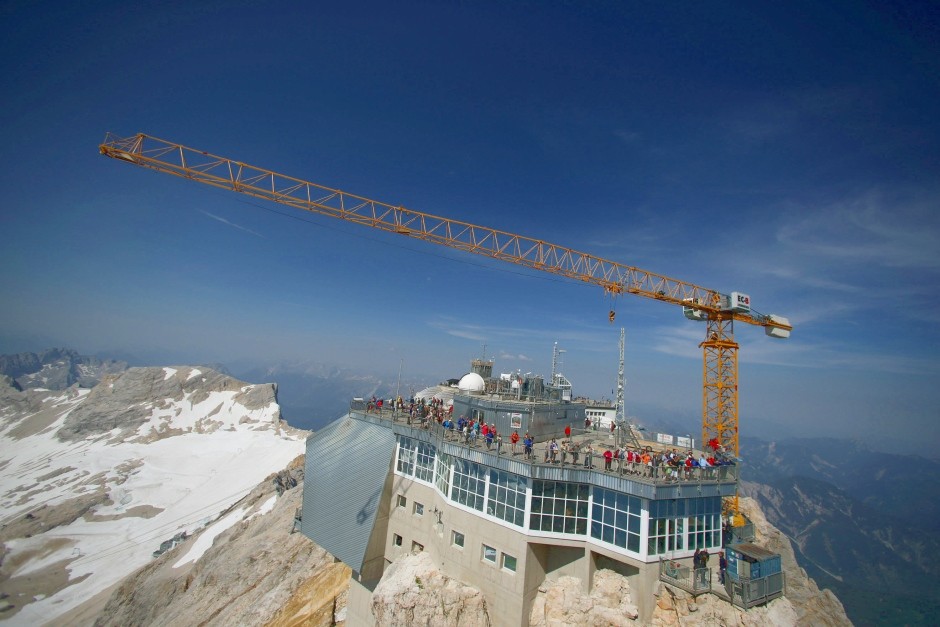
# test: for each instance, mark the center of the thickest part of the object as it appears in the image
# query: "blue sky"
(786, 150)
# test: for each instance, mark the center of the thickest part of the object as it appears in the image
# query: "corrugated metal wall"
(345, 470)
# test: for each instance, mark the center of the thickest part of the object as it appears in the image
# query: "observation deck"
(650, 482)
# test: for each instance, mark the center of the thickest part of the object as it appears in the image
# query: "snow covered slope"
(92, 481)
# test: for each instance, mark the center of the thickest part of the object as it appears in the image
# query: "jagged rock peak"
(154, 402)
(57, 369)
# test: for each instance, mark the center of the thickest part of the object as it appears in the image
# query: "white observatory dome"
(471, 382)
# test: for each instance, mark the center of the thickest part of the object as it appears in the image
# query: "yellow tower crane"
(718, 310)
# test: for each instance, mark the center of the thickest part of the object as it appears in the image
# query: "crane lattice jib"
(171, 158)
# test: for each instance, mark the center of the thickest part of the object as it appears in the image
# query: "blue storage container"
(750, 561)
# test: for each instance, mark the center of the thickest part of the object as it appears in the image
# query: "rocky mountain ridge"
(151, 453)
(260, 573)
(864, 523)
(95, 480)
(257, 572)
(57, 369)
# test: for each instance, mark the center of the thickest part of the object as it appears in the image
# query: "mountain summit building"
(382, 482)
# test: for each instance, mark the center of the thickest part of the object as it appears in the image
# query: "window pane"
(489, 554)
(621, 521)
(633, 543)
(634, 524)
(620, 538)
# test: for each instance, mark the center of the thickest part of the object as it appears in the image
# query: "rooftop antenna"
(398, 388)
(621, 384)
(556, 362)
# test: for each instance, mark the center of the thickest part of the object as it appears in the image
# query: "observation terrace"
(650, 482)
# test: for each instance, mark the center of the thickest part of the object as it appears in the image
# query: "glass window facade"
(670, 520)
(703, 517)
(424, 462)
(443, 474)
(509, 562)
(615, 519)
(506, 498)
(559, 507)
(469, 484)
(406, 456)
(416, 459)
(565, 508)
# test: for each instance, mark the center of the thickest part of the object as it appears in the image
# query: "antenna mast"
(621, 384)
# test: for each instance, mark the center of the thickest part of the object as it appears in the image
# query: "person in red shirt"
(608, 457)
(514, 438)
(568, 431)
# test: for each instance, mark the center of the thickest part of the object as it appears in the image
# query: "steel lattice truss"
(616, 278)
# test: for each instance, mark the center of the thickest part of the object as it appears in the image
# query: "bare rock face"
(675, 607)
(256, 573)
(126, 401)
(812, 605)
(562, 602)
(57, 369)
(804, 603)
(414, 592)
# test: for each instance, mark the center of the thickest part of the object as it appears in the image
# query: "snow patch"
(204, 542)
(266, 507)
(168, 373)
(188, 478)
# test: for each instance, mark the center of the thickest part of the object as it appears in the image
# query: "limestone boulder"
(413, 591)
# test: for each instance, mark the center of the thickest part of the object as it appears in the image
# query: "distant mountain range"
(312, 395)
(864, 523)
(57, 369)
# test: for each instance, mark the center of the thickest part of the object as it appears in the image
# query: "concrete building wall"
(434, 531)
(398, 527)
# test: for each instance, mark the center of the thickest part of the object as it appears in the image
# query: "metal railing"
(743, 533)
(693, 580)
(747, 593)
(541, 456)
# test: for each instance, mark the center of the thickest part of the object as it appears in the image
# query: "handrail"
(654, 475)
(693, 580)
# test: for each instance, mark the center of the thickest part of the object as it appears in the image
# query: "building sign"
(515, 421)
(664, 438)
(684, 442)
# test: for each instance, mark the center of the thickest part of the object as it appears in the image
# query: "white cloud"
(510, 357)
(231, 224)
(870, 229)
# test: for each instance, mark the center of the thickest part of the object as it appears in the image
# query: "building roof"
(346, 466)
